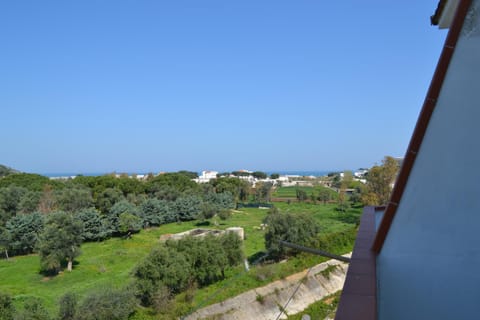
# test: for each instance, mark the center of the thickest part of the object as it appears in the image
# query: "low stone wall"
(200, 232)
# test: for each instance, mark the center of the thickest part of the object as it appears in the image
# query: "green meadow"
(111, 262)
(290, 192)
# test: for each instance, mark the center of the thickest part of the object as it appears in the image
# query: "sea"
(306, 173)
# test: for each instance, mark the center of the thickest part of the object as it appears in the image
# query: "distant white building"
(360, 173)
(206, 176)
(250, 179)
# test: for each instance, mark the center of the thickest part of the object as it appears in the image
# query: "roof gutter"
(422, 123)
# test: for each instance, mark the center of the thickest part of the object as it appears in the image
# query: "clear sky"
(138, 86)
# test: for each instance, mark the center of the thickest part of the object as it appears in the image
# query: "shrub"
(7, 309)
(224, 214)
(67, 306)
(33, 308)
(260, 299)
(162, 301)
(108, 304)
(264, 272)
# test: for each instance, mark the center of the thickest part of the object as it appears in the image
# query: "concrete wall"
(429, 267)
(313, 288)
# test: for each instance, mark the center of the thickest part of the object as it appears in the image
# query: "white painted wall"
(378, 218)
(429, 267)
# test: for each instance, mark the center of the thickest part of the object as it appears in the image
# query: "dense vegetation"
(111, 262)
(181, 264)
(102, 207)
(5, 171)
(118, 220)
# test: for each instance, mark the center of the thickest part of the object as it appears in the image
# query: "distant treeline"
(108, 205)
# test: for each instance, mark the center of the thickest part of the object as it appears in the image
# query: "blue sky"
(138, 86)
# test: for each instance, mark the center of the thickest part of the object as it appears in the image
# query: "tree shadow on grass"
(51, 273)
(257, 257)
(202, 224)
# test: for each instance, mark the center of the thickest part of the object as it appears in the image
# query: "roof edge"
(435, 18)
(359, 295)
(422, 123)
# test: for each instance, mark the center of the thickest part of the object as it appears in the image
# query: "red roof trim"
(422, 123)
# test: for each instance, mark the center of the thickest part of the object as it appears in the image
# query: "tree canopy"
(24, 232)
(60, 241)
(178, 264)
(299, 229)
(379, 182)
(108, 205)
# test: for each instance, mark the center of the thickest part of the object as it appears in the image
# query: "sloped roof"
(423, 120)
(435, 18)
(359, 299)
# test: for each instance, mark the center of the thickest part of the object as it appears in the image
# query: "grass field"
(110, 263)
(291, 192)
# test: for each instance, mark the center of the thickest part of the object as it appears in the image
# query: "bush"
(33, 308)
(190, 292)
(264, 272)
(179, 264)
(162, 301)
(7, 310)
(208, 211)
(67, 306)
(260, 299)
(224, 214)
(108, 304)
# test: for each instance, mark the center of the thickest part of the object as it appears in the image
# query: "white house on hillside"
(206, 176)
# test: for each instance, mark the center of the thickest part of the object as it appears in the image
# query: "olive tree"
(60, 241)
(300, 229)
